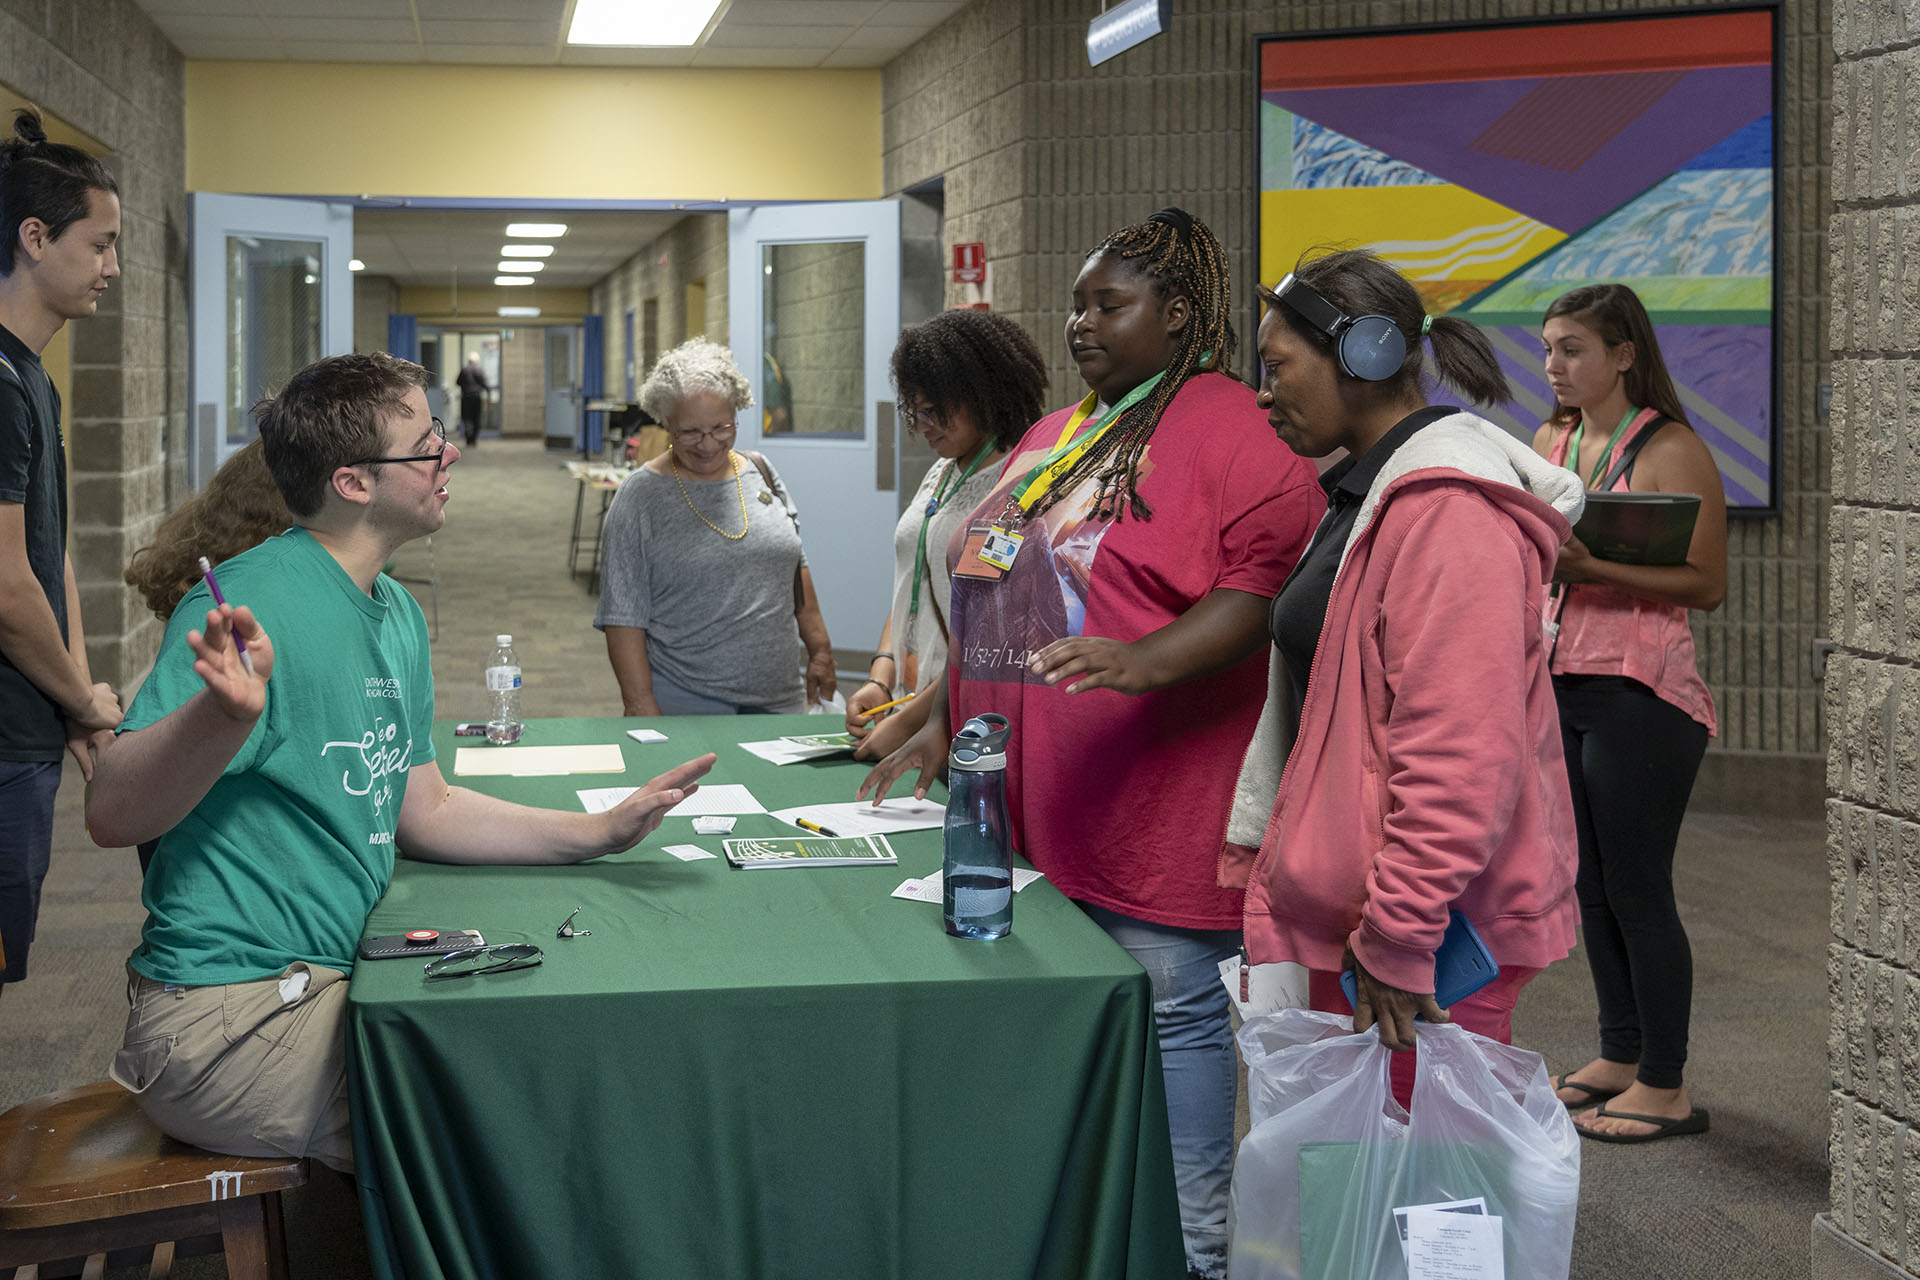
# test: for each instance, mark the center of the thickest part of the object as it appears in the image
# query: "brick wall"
(819, 315)
(1873, 681)
(523, 382)
(1043, 155)
(102, 66)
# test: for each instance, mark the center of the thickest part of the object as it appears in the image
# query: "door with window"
(271, 294)
(814, 301)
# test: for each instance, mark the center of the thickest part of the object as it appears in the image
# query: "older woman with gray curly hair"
(705, 598)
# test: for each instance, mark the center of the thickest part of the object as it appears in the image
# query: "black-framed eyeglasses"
(914, 418)
(440, 433)
(502, 958)
(690, 437)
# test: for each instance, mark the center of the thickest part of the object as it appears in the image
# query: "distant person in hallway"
(281, 786)
(1159, 515)
(1634, 712)
(1409, 762)
(971, 383)
(240, 508)
(59, 225)
(705, 597)
(472, 381)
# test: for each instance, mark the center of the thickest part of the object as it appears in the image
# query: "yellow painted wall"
(280, 128)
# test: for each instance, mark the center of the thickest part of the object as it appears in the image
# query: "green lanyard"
(1600, 467)
(940, 494)
(1039, 480)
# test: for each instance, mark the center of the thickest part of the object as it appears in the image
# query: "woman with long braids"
(1121, 635)
(1411, 704)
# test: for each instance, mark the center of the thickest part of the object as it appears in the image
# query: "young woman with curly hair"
(1156, 519)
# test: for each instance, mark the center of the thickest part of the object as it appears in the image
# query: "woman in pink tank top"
(1634, 713)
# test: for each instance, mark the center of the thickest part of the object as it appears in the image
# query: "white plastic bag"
(835, 706)
(1330, 1154)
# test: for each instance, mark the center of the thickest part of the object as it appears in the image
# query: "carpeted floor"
(1737, 1202)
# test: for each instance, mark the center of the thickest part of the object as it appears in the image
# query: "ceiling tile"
(504, 10)
(392, 10)
(601, 56)
(774, 13)
(231, 50)
(344, 30)
(164, 8)
(353, 51)
(487, 32)
(759, 57)
(895, 39)
(816, 38)
(926, 14)
(505, 55)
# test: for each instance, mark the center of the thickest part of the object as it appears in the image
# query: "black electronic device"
(1371, 348)
(421, 943)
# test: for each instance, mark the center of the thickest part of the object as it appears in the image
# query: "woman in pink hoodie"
(1410, 702)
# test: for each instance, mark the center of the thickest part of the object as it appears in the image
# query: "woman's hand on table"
(926, 751)
(868, 696)
(636, 817)
(1391, 1007)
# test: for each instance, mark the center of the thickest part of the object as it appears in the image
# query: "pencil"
(239, 645)
(886, 706)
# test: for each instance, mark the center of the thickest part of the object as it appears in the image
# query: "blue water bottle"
(976, 874)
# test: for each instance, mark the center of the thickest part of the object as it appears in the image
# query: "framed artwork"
(1500, 165)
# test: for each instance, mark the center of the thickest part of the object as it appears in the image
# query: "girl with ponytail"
(1410, 703)
(1152, 522)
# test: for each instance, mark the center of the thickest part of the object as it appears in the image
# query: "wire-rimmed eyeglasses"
(495, 959)
(688, 437)
(440, 433)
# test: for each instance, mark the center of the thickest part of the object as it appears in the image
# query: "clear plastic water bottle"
(503, 693)
(976, 874)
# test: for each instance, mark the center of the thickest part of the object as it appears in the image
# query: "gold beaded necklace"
(688, 498)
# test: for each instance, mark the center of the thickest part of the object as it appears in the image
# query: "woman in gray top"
(705, 597)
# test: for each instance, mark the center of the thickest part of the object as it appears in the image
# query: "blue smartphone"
(1461, 966)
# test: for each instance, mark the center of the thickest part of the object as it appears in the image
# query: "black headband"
(1179, 219)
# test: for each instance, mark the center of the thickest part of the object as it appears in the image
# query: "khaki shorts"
(249, 1069)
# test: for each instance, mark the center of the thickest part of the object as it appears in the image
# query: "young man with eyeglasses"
(279, 793)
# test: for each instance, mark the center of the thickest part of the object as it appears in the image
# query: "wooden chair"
(82, 1172)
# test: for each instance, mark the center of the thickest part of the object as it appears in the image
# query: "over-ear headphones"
(1371, 348)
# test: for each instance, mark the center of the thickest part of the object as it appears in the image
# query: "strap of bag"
(760, 464)
(1624, 467)
(10, 374)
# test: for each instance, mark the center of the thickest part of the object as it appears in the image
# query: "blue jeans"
(1190, 1009)
(674, 700)
(26, 845)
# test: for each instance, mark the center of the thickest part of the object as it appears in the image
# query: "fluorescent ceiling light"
(1124, 26)
(509, 281)
(526, 251)
(640, 22)
(356, 265)
(536, 230)
(523, 313)
(519, 264)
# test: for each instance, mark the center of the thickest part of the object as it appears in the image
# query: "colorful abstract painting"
(1500, 166)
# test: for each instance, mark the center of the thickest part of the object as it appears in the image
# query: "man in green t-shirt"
(280, 778)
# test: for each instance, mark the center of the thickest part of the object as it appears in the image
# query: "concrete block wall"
(1873, 680)
(694, 248)
(523, 381)
(1044, 155)
(375, 298)
(819, 313)
(102, 66)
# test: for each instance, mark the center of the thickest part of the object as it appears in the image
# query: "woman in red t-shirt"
(1157, 518)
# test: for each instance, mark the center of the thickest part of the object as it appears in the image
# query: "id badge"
(979, 561)
(1000, 547)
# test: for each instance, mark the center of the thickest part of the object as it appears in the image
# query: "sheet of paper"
(780, 751)
(688, 852)
(713, 824)
(929, 889)
(717, 797)
(858, 818)
(646, 735)
(533, 762)
(1477, 1205)
(601, 799)
(1454, 1246)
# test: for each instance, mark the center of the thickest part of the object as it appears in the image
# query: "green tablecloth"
(766, 1073)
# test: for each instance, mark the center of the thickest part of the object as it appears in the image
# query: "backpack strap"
(10, 374)
(1624, 467)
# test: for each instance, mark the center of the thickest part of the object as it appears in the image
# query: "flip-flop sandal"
(1594, 1097)
(1664, 1126)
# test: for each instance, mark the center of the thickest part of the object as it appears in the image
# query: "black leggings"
(1631, 760)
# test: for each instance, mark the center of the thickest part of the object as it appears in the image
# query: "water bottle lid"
(981, 744)
(503, 641)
